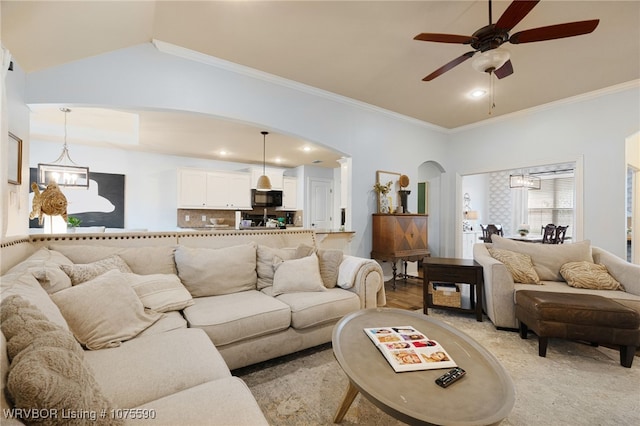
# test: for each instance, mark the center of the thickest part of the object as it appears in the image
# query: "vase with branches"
(383, 200)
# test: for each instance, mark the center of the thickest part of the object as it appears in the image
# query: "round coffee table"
(485, 395)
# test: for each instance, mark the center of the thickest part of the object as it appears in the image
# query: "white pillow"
(104, 311)
(297, 275)
(160, 292)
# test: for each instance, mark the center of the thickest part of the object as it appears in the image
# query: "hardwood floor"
(407, 294)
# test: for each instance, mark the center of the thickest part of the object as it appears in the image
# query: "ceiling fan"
(488, 39)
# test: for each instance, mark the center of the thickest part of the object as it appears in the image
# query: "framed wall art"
(14, 159)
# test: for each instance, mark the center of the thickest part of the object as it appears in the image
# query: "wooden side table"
(459, 271)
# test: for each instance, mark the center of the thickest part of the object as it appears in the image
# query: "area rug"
(576, 384)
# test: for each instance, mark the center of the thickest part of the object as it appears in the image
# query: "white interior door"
(320, 204)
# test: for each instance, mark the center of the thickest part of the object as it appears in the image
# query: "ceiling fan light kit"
(488, 39)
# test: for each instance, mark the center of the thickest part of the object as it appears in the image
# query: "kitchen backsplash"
(200, 218)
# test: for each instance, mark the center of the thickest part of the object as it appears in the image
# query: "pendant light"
(264, 184)
(63, 171)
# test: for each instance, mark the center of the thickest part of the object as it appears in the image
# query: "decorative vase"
(384, 204)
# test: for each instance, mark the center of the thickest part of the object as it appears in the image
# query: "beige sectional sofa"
(547, 260)
(164, 317)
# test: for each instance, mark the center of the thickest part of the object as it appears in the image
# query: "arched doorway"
(429, 193)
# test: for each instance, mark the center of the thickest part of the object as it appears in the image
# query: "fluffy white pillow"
(297, 275)
(105, 311)
(160, 292)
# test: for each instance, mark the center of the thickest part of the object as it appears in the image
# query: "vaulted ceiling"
(358, 49)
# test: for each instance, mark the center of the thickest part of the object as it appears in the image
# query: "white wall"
(142, 77)
(592, 127)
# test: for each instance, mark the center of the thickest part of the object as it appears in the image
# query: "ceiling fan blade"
(515, 13)
(450, 65)
(505, 70)
(552, 32)
(444, 38)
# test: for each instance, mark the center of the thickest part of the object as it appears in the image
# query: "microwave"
(266, 198)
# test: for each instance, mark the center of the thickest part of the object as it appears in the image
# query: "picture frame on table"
(14, 160)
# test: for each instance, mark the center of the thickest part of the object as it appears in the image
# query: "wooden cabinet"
(399, 236)
(289, 193)
(213, 189)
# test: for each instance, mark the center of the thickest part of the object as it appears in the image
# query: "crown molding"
(193, 55)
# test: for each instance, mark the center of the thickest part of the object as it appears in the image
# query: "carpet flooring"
(576, 384)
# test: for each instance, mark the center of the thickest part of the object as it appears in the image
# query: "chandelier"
(524, 181)
(63, 170)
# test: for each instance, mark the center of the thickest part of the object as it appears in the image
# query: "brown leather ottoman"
(584, 317)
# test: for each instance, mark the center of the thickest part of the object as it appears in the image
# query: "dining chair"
(558, 238)
(489, 230)
(548, 234)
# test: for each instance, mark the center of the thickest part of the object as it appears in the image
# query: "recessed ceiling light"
(223, 152)
(317, 161)
(306, 149)
(278, 160)
(478, 93)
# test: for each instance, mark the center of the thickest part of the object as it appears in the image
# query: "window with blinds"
(552, 203)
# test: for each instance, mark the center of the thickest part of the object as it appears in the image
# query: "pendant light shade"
(264, 184)
(63, 171)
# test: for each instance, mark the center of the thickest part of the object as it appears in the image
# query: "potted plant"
(523, 230)
(72, 223)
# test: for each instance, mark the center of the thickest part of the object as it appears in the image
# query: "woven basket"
(445, 298)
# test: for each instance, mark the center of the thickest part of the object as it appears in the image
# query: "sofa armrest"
(499, 288)
(365, 278)
(624, 272)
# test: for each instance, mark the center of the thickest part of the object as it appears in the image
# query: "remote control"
(450, 377)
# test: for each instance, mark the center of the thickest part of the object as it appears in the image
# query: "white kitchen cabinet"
(289, 193)
(469, 238)
(206, 189)
(275, 176)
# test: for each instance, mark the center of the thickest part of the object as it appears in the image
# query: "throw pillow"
(329, 262)
(264, 265)
(589, 275)
(297, 275)
(518, 264)
(212, 272)
(547, 258)
(80, 273)
(56, 379)
(44, 264)
(105, 311)
(160, 292)
(143, 260)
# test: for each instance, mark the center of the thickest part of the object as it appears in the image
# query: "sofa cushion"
(211, 272)
(238, 316)
(169, 321)
(44, 264)
(518, 264)
(80, 273)
(329, 261)
(105, 311)
(547, 258)
(234, 405)
(160, 292)
(311, 309)
(26, 285)
(297, 275)
(589, 275)
(141, 260)
(147, 368)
